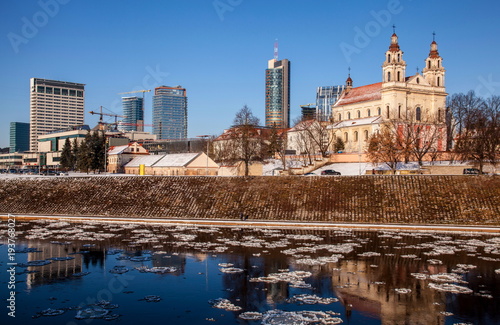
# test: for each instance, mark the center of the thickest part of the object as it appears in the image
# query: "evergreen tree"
(74, 154)
(84, 154)
(66, 155)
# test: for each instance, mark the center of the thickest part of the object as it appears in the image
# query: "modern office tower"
(278, 93)
(325, 98)
(170, 113)
(19, 137)
(54, 105)
(133, 109)
(308, 112)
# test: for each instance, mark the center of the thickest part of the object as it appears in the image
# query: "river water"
(101, 273)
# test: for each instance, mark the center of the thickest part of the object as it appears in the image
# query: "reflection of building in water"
(356, 284)
(164, 260)
(55, 270)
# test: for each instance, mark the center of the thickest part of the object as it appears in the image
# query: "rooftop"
(360, 94)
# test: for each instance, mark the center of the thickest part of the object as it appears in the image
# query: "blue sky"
(218, 49)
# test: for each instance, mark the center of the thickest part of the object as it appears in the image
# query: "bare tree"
(384, 147)
(459, 106)
(276, 143)
(243, 142)
(479, 140)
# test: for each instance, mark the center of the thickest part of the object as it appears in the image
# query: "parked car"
(62, 174)
(471, 171)
(310, 174)
(330, 172)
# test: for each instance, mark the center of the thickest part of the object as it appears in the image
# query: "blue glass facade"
(278, 94)
(325, 98)
(133, 109)
(19, 137)
(170, 113)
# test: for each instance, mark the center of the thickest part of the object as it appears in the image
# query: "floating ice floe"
(447, 277)
(225, 264)
(409, 256)
(420, 276)
(402, 291)
(369, 254)
(250, 315)
(34, 263)
(49, 312)
(157, 269)
(231, 270)
(92, 312)
(295, 278)
(151, 298)
(225, 304)
(279, 317)
(497, 271)
(66, 258)
(80, 274)
(322, 260)
(311, 300)
(434, 262)
(448, 287)
(140, 258)
(119, 269)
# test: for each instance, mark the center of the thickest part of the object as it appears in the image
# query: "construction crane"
(101, 114)
(141, 125)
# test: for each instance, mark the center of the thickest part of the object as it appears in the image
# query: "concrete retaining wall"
(374, 199)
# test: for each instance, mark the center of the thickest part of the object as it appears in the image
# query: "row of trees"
(472, 127)
(88, 156)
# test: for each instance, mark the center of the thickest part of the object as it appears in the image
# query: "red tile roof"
(361, 94)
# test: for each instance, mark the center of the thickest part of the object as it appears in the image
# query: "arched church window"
(388, 58)
(346, 137)
(359, 114)
(439, 82)
(387, 112)
(418, 114)
(399, 75)
(399, 111)
(429, 64)
(439, 62)
(366, 135)
(356, 136)
(418, 80)
(379, 111)
(388, 76)
(348, 115)
(368, 113)
(439, 115)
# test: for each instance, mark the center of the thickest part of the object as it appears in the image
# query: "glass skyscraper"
(170, 113)
(325, 98)
(278, 93)
(133, 109)
(19, 137)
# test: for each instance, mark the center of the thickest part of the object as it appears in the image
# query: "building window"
(439, 115)
(379, 111)
(387, 112)
(368, 113)
(439, 81)
(366, 135)
(359, 114)
(418, 114)
(418, 80)
(356, 136)
(388, 58)
(346, 137)
(429, 64)
(388, 76)
(340, 117)
(399, 75)
(399, 111)
(348, 115)
(399, 57)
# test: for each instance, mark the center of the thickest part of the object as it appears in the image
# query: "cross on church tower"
(393, 29)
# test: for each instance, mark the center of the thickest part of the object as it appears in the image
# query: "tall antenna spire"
(276, 50)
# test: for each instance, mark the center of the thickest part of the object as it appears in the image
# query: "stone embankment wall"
(419, 199)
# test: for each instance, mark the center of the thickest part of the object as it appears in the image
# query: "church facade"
(419, 99)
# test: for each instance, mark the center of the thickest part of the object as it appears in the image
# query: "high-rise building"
(325, 98)
(19, 137)
(133, 109)
(170, 113)
(278, 93)
(54, 105)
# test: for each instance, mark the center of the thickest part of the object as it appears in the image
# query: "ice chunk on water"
(250, 315)
(448, 287)
(225, 304)
(311, 299)
(279, 317)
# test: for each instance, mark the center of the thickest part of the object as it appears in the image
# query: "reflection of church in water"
(360, 286)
